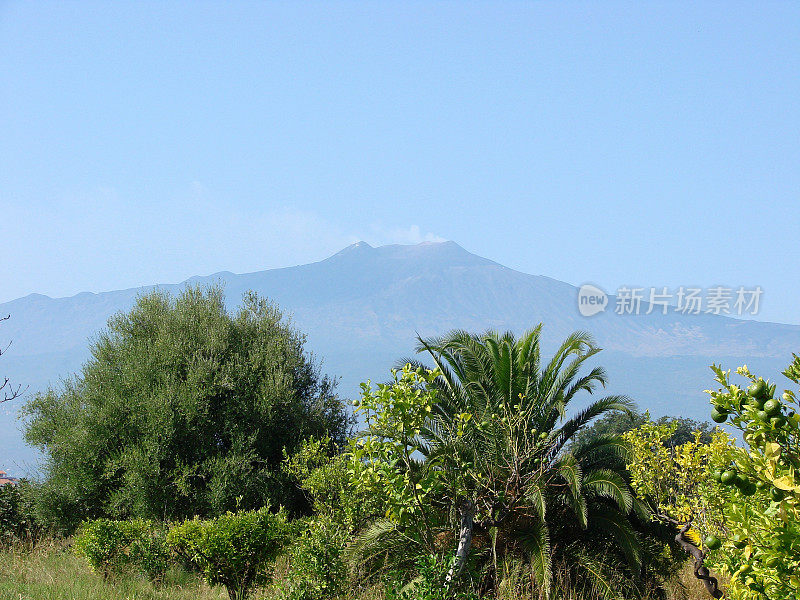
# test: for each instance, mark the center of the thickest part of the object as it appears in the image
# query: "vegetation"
(617, 423)
(199, 451)
(182, 410)
(232, 550)
(744, 501)
(479, 447)
(17, 513)
(51, 571)
(115, 547)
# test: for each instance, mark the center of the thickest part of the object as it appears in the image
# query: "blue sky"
(652, 144)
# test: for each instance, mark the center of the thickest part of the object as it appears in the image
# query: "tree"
(744, 500)
(618, 423)
(491, 428)
(9, 391)
(182, 410)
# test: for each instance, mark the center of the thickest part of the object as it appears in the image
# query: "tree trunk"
(466, 513)
(700, 570)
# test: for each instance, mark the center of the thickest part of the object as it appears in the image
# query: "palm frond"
(606, 483)
(535, 542)
(609, 520)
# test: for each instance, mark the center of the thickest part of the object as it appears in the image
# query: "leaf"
(786, 483)
(536, 543)
(772, 450)
(608, 484)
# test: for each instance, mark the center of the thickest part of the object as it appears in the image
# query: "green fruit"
(717, 475)
(756, 404)
(777, 422)
(776, 494)
(761, 484)
(757, 389)
(728, 477)
(712, 542)
(763, 416)
(772, 407)
(718, 417)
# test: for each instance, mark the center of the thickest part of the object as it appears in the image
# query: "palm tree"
(501, 431)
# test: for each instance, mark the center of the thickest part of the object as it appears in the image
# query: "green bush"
(429, 584)
(320, 471)
(234, 549)
(114, 547)
(151, 554)
(317, 569)
(17, 520)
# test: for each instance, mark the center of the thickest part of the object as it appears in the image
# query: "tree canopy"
(183, 409)
(479, 450)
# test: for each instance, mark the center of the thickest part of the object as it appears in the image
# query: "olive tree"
(183, 409)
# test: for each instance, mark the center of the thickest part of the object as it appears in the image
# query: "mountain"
(363, 307)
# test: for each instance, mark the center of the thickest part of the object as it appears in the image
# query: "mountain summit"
(363, 307)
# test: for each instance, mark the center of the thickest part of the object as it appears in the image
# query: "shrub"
(739, 506)
(150, 553)
(317, 568)
(322, 474)
(429, 583)
(17, 520)
(182, 409)
(234, 549)
(113, 547)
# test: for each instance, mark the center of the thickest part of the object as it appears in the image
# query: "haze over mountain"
(363, 307)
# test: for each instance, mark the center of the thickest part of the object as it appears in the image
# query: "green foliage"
(115, 547)
(182, 410)
(317, 568)
(747, 499)
(479, 449)
(760, 508)
(321, 471)
(17, 513)
(234, 549)
(428, 583)
(675, 477)
(617, 423)
(381, 460)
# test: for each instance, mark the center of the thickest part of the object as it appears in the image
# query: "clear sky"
(653, 144)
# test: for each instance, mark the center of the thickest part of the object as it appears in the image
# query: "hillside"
(362, 307)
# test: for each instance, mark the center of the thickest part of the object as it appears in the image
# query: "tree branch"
(701, 572)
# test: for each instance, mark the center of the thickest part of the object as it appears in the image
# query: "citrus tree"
(674, 478)
(743, 501)
(761, 513)
(234, 549)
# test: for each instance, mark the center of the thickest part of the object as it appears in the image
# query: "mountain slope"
(363, 306)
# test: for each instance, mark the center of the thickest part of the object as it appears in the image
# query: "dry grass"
(52, 572)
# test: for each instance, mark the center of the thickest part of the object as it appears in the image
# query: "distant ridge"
(362, 306)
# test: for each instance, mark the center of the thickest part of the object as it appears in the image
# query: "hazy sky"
(640, 143)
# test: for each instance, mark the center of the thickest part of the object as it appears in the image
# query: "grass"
(52, 572)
